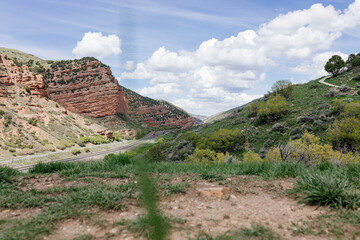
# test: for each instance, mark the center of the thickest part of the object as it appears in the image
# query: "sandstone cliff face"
(156, 113)
(86, 87)
(12, 74)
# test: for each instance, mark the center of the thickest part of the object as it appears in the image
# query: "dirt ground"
(212, 207)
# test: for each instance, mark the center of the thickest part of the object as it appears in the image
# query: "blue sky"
(204, 56)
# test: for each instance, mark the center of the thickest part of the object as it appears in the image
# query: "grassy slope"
(307, 99)
(23, 57)
(347, 78)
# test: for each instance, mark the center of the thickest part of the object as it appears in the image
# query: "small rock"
(213, 191)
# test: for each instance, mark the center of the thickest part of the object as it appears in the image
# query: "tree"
(353, 60)
(283, 87)
(334, 65)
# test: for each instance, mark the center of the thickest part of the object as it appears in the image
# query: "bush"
(310, 151)
(327, 189)
(345, 134)
(32, 121)
(273, 109)
(223, 140)
(206, 156)
(284, 88)
(278, 127)
(344, 88)
(155, 153)
(356, 61)
(87, 150)
(331, 93)
(253, 108)
(75, 151)
(352, 109)
(252, 157)
(273, 155)
(96, 140)
(63, 144)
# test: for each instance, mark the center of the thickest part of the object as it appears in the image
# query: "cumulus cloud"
(224, 69)
(315, 66)
(161, 89)
(129, 65)
(94, 44)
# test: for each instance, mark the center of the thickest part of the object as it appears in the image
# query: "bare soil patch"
(246, 201)
(46, 181)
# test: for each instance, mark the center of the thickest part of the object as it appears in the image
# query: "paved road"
(90, 155)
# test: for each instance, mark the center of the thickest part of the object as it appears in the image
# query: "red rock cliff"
(12, 74)
(86, 87)
(156, 113)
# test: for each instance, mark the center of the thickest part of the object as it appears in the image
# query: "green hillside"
(25, 57)
(312, 107)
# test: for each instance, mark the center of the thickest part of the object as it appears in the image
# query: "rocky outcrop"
(156, 113)
(13, 74)
(86, 87)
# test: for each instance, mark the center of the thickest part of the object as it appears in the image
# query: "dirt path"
(329, 84)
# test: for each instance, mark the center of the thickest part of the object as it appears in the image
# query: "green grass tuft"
(327, 188)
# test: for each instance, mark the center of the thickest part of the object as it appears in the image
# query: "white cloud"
(223, 69)
(94, 44)
(160, 89)
(315, 67)
(129, 65)
(207, 106)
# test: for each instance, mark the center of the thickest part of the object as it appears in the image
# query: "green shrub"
(75, 151)
(345, 134)
(87, 150)
(352, 109)
(2, 112)
(327, 189)
(356, 61)
(253, 108)
(96, 140)
(252, 157)
(223, 140)
(32, 121)
(284, 88)
(63, 144)
(206, 156)
(273, 109)
(155, 153)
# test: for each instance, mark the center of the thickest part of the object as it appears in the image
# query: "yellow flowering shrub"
(273, 155)
(309, 150)
(252, 157)
(207, 156)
